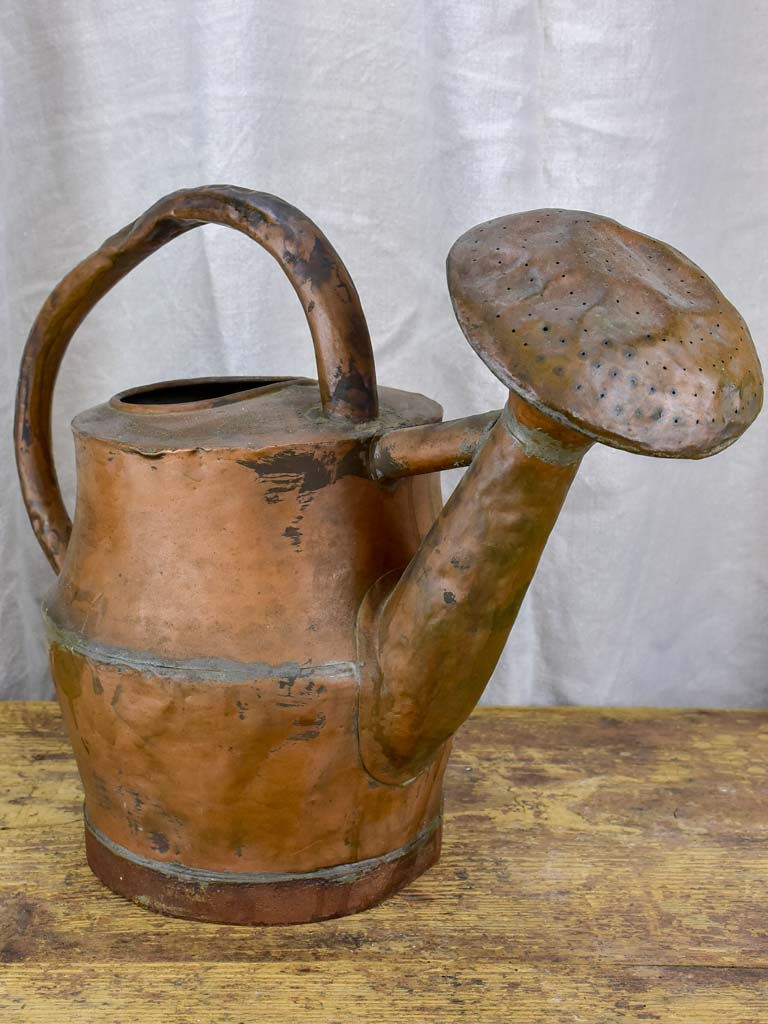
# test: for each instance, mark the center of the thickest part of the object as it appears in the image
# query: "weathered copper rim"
(264, 898)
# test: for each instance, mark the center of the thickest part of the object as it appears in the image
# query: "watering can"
(266, 627)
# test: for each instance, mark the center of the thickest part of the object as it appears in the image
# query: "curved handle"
(339, 332)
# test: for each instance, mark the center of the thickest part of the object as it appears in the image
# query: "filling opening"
(185, 391)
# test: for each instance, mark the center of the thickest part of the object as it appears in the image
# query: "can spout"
(573, 313)
(430, 640)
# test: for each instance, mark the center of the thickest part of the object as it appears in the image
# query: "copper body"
(265, 629)
(203, 645)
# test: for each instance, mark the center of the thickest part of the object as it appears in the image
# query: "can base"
(264, 899)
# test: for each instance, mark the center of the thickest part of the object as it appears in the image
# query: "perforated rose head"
(607, 330)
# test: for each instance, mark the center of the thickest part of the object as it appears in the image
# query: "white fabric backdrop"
(396, 126)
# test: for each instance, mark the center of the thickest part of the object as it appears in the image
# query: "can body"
(202, 638)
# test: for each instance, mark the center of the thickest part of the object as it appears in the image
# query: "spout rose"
(601, 334)
(608, 330)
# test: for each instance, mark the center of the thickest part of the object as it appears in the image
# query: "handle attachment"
(336, 321)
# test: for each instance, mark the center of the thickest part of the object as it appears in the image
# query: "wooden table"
(599, 866)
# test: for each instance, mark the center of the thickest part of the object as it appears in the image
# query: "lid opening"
(204, 392)
(193, 390)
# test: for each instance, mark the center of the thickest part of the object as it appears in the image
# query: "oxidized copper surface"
(265, 630)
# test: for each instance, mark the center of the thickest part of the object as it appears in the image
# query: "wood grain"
(600, 866)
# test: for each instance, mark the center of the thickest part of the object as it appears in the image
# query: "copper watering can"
(265, 627)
